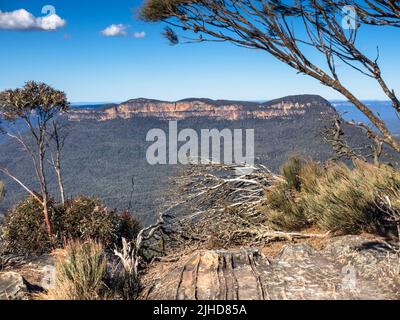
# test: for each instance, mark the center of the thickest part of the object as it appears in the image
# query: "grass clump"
(347, 200)
(291, 173)
(283, 209)
(334, 197)
(282, 205)
(81, 274)
(87, 272)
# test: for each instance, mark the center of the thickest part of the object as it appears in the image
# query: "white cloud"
(139, 35)
(22, 20)
(115, 30)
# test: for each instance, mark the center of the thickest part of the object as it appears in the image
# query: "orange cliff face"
(224, 110)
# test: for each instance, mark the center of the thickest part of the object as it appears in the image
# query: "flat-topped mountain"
(201, 107)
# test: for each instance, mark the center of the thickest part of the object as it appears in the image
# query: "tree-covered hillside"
(103, 158)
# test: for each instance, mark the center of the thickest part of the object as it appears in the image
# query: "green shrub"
(82, 274)
(82, 218)
(86, 218)
(87, 272)
(24, 231)
(334, 197)
(282, 209)
(346, 200)
(291, 172)
(310, 174)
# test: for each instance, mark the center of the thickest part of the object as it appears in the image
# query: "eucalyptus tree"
(37, 106)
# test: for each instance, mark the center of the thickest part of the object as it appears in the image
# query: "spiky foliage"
(283, 210)
(291, 172)
(82, 274)
(336, 198)
(345, 199)
(283, 206)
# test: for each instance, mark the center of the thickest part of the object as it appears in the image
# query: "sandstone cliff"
(217, 109)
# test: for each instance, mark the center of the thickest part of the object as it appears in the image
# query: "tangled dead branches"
(219, 205)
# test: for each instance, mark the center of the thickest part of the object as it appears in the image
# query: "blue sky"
(90, 67)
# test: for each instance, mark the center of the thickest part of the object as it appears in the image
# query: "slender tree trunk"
(46, 217)
(43, 186)
(60, 185)
(57, 163)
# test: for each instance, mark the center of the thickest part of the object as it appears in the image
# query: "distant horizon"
(77, 103)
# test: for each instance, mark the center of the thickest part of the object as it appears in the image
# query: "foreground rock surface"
(29, 276)
(12, 286)
(349, 267)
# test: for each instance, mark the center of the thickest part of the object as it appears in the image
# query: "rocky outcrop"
(218, 109)
(12, 286)
(22, 276)
(350, 267)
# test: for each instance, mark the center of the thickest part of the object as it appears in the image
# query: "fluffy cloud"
(22, 20)
(121, 30)
(115, 30)
(138, 35)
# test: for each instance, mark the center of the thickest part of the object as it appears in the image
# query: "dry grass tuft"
(334, 198)
(81, 274)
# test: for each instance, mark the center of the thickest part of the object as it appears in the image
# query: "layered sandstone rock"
(217, 109)
(349, 267)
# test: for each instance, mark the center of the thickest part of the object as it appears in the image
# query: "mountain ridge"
(203, 107)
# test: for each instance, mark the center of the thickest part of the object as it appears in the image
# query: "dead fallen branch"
(218, 205)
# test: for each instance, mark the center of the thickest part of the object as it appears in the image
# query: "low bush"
(347, 200)
(334, 197)
(128, 226)
(283, 208)
(291, 173)
(86, 218)
(24, 230)
(82, 218)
